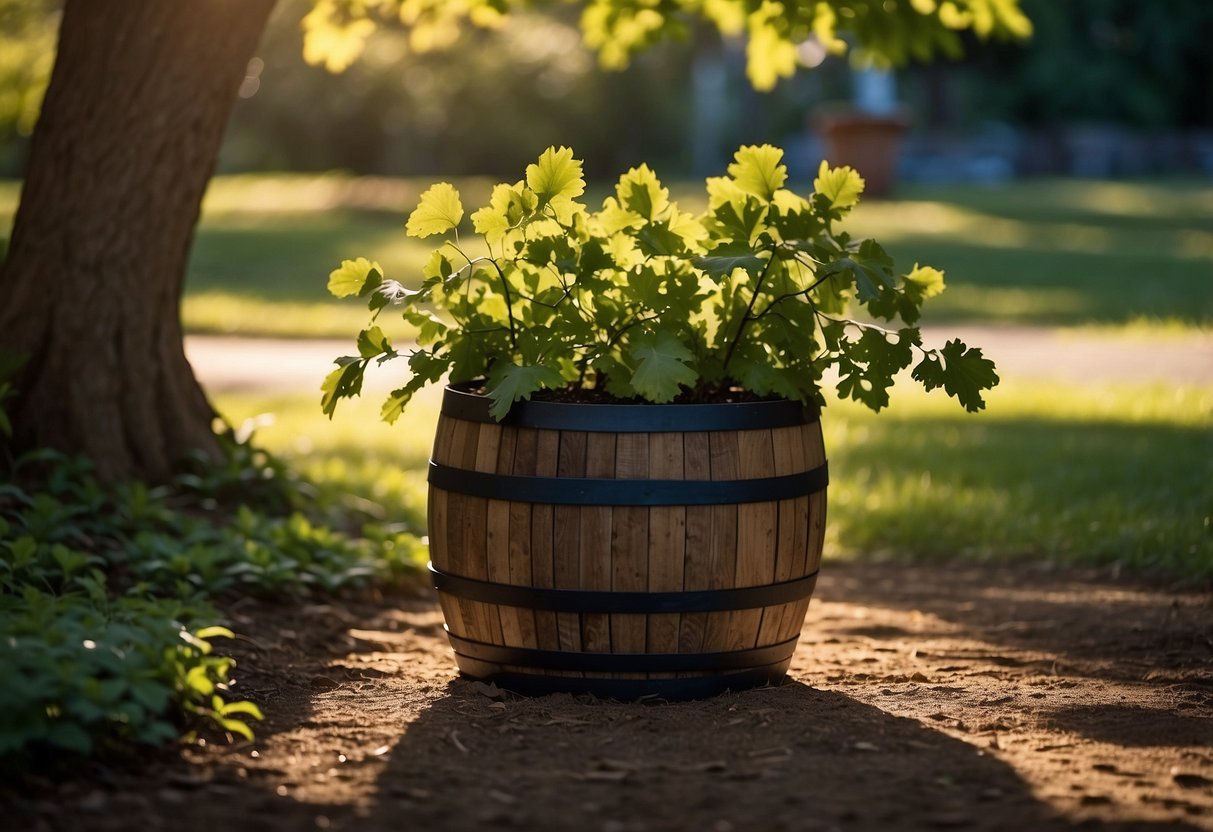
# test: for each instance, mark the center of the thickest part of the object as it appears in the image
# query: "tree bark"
(90, 292)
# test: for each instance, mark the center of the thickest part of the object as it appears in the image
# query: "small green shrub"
(98, 672)
(107, 594)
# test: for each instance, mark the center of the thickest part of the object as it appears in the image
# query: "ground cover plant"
(109, 596)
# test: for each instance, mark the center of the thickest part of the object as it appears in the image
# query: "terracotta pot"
(870, 144)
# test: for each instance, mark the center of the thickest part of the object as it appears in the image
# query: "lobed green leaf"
(556, 176)
(354, 277)
(841, 186)
(759, 170)
(662, 366)
(439, 211)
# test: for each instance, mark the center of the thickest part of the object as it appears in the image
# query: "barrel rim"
(460, 402)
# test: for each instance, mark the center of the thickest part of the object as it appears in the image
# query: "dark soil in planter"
(921, 697)
(704, 394)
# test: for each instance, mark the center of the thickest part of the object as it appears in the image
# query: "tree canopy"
(884, 32)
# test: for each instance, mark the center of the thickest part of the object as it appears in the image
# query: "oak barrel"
(625, 550)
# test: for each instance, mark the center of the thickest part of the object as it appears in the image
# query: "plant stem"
(509, 306)
(745, 319)
(789, 295)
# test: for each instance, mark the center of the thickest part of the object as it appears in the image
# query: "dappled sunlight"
(290, 193)
(1131, 199)
(1096, 473)
(355, 453)
(1178, 203)
(1103, 474)
(897, 220)
(221, 312)
(1032, 306)
(1033, 253)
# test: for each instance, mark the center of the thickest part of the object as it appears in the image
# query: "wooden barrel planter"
(626, 550)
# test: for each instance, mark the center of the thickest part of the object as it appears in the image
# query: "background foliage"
(398, 110)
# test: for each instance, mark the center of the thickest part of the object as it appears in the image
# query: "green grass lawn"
(1081, 475)
(1058, 253)
(1047, 252)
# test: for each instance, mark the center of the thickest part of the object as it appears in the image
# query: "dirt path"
(272, 365)
(921, 697)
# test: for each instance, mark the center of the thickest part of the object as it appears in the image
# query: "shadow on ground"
(922, 697)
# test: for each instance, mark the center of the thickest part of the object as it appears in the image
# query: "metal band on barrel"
(589, 491)
(622, 662)
(605, 601)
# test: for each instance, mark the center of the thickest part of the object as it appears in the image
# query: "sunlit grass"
(1098, 474)
(1069, 253)
(1050, 253)
(355, 452)
(1083, 475)
(1059, 253)
(228, 313)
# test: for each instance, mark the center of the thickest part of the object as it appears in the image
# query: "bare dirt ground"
(921, 697)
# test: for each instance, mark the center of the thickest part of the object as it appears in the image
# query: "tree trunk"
(90, 293)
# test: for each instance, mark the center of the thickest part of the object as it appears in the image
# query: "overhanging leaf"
(342, 383)
(508, 383)
(962, 372)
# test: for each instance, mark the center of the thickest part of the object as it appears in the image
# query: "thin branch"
(745, 319)
(509, 308)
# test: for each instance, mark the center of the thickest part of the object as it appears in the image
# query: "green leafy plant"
(641, 300)
(107, 596)
(97, 672)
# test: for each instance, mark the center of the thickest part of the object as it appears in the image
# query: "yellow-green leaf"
(759, 170)
(438, 212)
(215, 632)
(770, 53)
(641, 192)
(196, 677)
(927, 280)
(352, 276)
(235, 726)
(372, 342)
(556, 176)
(241, 707)
(393, 407)
(842, 186)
